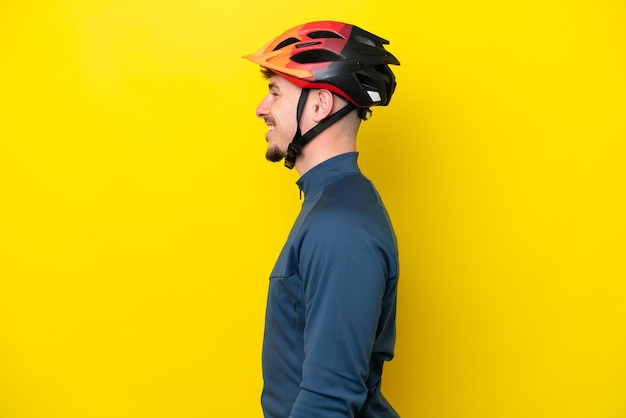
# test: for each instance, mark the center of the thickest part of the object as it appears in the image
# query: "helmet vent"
(321, 55)
(286, 42)
(364, 40)
(324, 34)
(365, 80)
(308, 44)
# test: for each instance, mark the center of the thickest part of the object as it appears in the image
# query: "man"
(330, 320)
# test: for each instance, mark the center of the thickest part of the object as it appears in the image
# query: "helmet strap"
(294, 149)
(299, 140)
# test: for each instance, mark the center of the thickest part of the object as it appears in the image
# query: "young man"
(330, 320)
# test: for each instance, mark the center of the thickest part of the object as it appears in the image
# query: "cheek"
(287, 117)
(288, 128)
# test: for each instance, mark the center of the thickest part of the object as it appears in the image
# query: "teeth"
(270, 127)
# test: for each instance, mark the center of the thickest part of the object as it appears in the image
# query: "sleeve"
(344, 273)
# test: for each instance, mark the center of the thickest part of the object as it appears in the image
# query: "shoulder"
(352, 193)
(348, 209)
(347, 196)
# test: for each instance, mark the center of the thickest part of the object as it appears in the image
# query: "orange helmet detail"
(339, 57)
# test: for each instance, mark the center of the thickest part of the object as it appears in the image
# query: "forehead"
(282, 84)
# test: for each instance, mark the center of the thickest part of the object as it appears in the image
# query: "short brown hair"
(267, 73)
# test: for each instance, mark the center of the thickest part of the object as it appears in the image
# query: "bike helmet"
(335, 56)
(339, 57)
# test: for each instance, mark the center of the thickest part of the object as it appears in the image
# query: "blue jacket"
(330, 319)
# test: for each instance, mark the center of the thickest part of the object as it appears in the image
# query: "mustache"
(269, 121)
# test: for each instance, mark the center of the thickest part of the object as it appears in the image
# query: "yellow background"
(139, 219)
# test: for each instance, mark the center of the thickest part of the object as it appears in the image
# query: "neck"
(326, 145)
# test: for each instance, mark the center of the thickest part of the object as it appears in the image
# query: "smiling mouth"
(271, 125)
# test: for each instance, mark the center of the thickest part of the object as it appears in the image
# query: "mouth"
(270, 129)
(271, 125)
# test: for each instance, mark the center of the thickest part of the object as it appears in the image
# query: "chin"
(274, 154)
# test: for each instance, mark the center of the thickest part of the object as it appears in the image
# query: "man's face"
(278, 109)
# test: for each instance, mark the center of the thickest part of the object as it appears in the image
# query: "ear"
(323, 105)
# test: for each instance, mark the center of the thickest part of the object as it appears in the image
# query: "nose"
(262, 109)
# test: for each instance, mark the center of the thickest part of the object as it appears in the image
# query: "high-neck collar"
(314, 179)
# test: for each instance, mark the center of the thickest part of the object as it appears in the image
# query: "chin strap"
(299, 140)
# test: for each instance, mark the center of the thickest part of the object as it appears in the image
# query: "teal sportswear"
(330, 320)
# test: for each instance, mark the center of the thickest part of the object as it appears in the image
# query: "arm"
(344, 273)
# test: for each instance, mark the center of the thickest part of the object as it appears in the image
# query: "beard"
(274, 154)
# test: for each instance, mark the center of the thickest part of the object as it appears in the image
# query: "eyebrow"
(273, 86)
